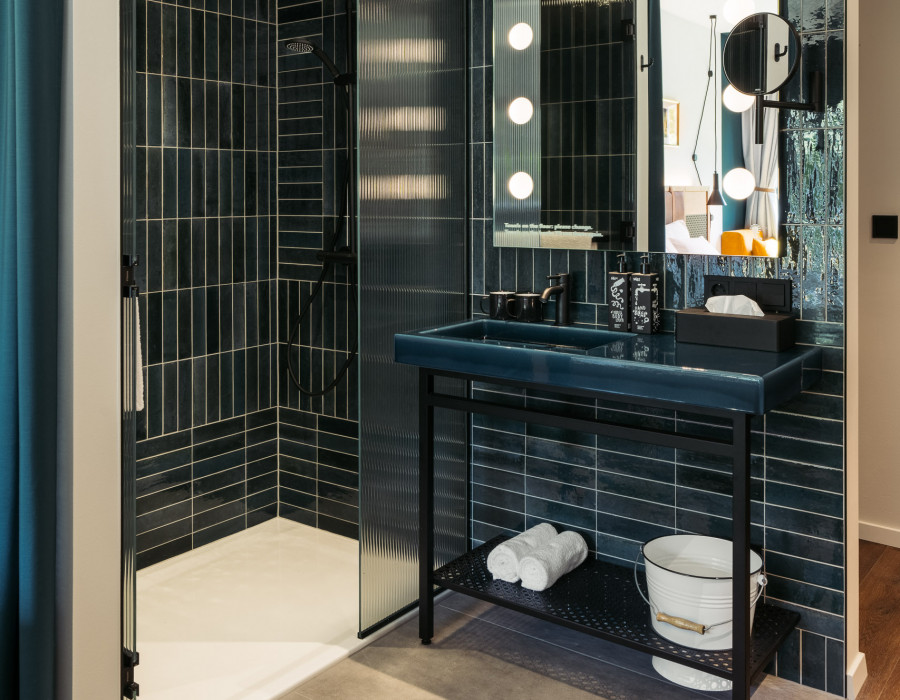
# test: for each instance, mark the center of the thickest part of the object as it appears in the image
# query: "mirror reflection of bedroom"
(710, 128)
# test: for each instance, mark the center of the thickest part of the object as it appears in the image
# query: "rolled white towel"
(548, 563)
(503, 561)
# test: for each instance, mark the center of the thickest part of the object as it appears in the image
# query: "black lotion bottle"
(619, 297)
(645, 299)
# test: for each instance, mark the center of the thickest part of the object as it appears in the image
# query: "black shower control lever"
(561, 290)
(342, 256)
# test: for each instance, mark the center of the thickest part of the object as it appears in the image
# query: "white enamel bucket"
(689, 579)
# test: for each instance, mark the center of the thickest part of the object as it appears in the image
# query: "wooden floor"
(879, 615)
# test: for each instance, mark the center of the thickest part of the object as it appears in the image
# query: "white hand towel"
(548, 563)
(138, 360)
(503, 561)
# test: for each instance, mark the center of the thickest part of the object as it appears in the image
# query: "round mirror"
(762, 54)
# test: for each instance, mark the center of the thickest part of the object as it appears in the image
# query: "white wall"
(89, 419)
(879, 281)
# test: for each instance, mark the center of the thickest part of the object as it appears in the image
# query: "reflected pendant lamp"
(715, 196)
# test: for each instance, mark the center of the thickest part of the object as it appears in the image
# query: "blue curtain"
(31, 39)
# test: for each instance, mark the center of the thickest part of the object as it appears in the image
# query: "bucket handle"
(682, 623)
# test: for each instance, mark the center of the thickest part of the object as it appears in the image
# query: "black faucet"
(561, 290)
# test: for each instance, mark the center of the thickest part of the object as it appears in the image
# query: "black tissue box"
(773, 332)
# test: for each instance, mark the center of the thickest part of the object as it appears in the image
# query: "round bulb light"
(521, 185)
(520, 36)
(739, 183)
(737, 101)
(520, 110)
(736, 10)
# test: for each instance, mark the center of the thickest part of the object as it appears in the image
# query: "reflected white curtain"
(762, 161)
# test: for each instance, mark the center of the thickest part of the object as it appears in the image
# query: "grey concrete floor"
(483, 651)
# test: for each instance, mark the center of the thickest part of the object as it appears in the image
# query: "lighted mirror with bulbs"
(553, 168)
(584, 154)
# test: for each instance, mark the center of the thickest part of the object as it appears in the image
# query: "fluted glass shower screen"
(412, 274)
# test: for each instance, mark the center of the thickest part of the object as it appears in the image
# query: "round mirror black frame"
(735, 77)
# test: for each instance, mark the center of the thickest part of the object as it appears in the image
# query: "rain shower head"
(300, 46)
(304, 46)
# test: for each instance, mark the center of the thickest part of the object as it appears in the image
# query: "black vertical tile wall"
(618, 493)
(587, 116)
(318, 439)
(207, 439)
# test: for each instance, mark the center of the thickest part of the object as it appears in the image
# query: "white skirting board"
(882, 534)
(856, 675)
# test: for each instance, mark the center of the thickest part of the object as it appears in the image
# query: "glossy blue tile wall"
(617, 493)
(207, 439)
(318, 435)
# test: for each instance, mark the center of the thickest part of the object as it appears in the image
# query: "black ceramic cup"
(527, 307)
(499, 305)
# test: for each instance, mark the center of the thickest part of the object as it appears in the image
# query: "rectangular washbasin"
(535, 336)
(651, 367)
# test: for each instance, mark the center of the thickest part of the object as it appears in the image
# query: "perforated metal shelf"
(600, 599)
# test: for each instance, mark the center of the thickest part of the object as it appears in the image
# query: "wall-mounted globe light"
(736, 10)
(520, 36)
(737, 101)
(521, 185)
(739, 183)
(520, 110)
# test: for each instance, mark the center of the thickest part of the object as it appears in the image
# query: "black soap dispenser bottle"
(619, 297)
(645, 299)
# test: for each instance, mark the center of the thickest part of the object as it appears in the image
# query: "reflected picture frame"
(671, 123)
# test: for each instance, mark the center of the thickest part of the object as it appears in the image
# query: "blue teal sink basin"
(641, 366)
(533, 336)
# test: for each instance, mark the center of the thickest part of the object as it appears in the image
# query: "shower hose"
(329, 256)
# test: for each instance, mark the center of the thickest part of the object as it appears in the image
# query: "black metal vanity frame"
(599, 598)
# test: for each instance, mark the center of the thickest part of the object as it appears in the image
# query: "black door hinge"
(130, 659)
(129, 283)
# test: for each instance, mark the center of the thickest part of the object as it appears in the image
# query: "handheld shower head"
(304, 46)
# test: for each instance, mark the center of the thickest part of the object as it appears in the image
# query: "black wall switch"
(884, 227)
